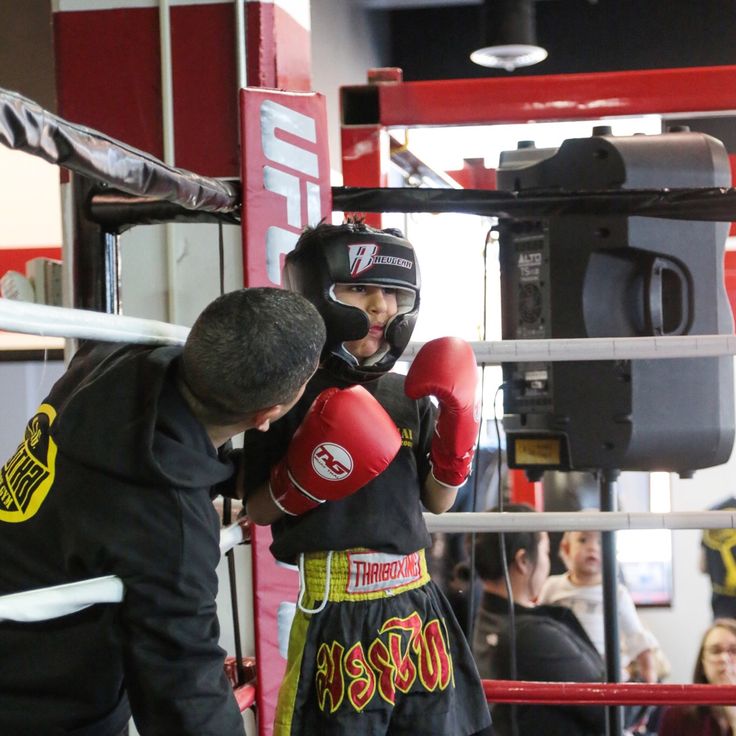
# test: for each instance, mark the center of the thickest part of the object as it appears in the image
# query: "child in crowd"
(343, 480)
(580, 589)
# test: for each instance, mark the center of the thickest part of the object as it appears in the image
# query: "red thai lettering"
(380, 659)
(406, 671)
(411, 623)
(362, 687)
(328, 679)
(435, 662)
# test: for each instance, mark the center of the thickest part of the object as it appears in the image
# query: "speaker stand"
(607, 485)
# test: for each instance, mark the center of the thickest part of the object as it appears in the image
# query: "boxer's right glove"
(345, 440)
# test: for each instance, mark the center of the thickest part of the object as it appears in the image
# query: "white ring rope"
(39, 319)
(42, 604)
(60, 600)
(562, 521)
(597, 348)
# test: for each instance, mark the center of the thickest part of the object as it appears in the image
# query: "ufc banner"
(285, 175)
(286, 185)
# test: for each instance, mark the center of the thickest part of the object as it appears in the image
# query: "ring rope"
(607, 693)
(48, 321)
(596, 348)
(47, 603)
(42, 604)
(561, 521)
(40, 319)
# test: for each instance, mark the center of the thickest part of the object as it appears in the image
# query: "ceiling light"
(510, 35)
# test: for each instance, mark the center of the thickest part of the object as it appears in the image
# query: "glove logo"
(331, 461)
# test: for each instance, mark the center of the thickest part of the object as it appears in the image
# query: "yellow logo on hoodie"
(26, 478)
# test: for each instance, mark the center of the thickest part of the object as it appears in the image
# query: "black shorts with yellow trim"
(384, 655)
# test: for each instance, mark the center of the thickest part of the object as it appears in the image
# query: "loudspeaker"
(591, 275)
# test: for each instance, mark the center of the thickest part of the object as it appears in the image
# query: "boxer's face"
(379, 303)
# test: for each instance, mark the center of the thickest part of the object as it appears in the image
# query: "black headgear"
(354, 253)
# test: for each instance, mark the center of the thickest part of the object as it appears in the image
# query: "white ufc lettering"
(279, 178)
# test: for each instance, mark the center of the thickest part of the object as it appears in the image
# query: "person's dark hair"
(353, 224)
(250, 349)
(488, 562)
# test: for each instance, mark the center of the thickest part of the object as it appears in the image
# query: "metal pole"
(95, 257)
(614, 713)
(241, 57)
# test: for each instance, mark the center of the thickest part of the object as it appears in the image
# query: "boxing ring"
(129, 187)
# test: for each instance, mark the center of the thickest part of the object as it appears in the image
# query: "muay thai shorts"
(375, 649)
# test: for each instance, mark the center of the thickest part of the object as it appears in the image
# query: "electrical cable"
(500, 494)
(221, 254)
(501, 535)
(474, 504)
(505, 566)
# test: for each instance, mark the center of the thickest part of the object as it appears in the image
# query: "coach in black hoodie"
(114, 477)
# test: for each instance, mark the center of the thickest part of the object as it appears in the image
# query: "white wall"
(174, 282)
(24, 386)
(347, 40)
(679, 628)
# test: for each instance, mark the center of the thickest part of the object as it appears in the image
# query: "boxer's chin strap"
(302, 584)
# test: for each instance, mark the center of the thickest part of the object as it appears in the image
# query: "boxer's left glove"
(345, 440)
(446, 368)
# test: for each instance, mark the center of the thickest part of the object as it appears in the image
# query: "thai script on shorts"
(406, 654)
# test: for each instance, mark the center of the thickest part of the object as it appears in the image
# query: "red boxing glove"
(345, 440)
(446, 368)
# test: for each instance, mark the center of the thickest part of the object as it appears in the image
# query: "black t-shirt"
(386, 514)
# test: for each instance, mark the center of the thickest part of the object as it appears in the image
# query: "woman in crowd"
(716, 664)
(548, 642)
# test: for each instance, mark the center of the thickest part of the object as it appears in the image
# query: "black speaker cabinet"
(616, 276)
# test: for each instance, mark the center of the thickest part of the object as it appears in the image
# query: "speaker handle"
(654, 301)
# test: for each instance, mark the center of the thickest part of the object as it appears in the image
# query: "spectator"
(581, 590)
(718, 561)
(549, 642)
(716, 664)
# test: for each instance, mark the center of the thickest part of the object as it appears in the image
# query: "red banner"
(285, 175)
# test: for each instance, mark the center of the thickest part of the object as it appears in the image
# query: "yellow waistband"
(361, 575)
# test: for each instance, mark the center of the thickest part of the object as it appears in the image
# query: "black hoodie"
(113, 477)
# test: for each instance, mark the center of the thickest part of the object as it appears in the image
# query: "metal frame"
(368, 110)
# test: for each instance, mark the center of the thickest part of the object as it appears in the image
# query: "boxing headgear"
(354, 253)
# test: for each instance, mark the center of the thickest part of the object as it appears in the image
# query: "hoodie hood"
(119, 412)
